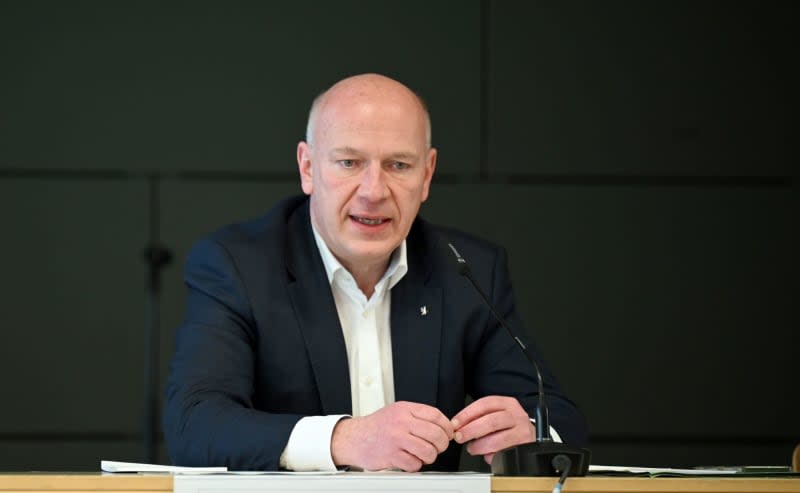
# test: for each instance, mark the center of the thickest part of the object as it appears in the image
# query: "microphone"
(544, 457)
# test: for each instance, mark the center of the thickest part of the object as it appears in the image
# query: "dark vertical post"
(157, 257)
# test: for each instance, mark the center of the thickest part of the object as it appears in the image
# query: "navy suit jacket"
(261, 345)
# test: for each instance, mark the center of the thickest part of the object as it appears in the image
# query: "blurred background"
(637, 159)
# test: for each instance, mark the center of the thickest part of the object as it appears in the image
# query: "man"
(334, 331)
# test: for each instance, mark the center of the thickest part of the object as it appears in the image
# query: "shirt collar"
(398, 265)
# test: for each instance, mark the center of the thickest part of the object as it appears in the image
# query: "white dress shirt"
(365, 326)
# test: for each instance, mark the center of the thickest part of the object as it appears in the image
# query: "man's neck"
(366, 273)
(366, 276)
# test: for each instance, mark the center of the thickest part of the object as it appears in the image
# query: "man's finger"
(433, 415)
(485, 425)
(492, 443)
(432, 434)
(407, 462)
(476, 409)
(420, 449)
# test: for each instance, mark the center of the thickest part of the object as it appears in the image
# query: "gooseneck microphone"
(542, 416)
(544, 457)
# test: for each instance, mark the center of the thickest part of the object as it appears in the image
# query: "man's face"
(368, 170)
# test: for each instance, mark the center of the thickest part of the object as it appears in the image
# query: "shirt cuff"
(309, 445)
(555, 435)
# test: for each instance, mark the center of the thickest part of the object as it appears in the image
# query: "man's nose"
(373, 183)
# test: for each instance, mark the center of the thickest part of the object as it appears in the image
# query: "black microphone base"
(536, 459)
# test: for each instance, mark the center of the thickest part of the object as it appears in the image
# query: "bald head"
(360, 89)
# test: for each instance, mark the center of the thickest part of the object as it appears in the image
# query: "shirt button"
(368, 381)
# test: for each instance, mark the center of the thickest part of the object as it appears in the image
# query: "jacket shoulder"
(269, 225)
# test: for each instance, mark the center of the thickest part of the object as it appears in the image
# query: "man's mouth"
(369, 221)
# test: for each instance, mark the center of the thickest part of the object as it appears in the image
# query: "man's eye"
(347, 163)
(400, 166)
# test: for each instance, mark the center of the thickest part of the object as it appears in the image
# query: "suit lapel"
(416, 319)
(317, 316)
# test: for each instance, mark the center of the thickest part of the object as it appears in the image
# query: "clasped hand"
(406, 435)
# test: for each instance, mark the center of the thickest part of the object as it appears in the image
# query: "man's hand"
(403, 435)
(491, 424)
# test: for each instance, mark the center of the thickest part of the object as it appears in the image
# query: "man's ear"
(304, 166)
(430, 167)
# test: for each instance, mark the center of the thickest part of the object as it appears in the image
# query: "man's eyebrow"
(352, 151)
(347, 150)
(404, 156)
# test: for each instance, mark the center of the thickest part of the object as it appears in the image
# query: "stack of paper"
(114, 466)
(659, 471)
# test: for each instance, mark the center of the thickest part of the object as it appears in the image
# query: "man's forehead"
(371, 118)
(364, 105)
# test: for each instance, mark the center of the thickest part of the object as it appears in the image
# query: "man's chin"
(373, 251)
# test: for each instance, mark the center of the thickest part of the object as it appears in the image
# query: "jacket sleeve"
(502, 369)
(209, 418)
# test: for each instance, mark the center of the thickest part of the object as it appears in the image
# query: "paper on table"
(282, 473)
(659, 470)
(115, 466)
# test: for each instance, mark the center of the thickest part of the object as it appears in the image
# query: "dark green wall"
(634, 157)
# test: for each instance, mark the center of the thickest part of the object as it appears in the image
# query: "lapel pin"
(423, 310)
